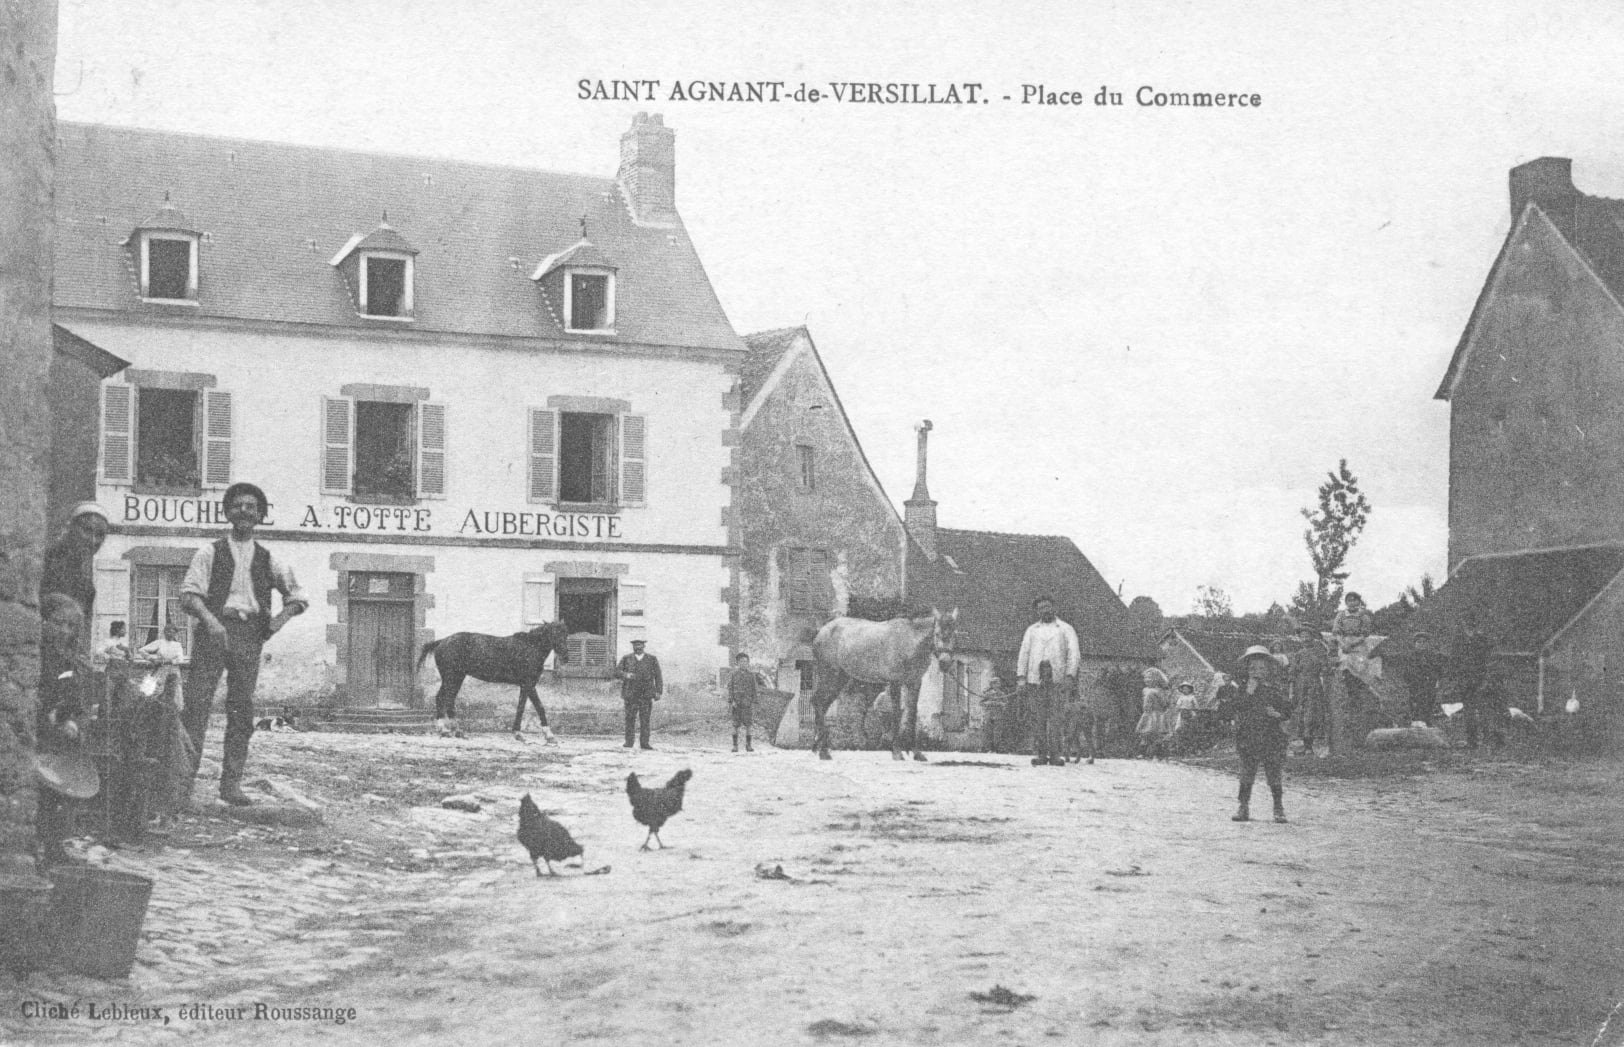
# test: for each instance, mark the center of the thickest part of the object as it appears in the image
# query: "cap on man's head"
(639, 643)
(243, 487)
(88, 509)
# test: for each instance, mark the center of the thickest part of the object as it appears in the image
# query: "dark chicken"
(652, 807)
(544, 838)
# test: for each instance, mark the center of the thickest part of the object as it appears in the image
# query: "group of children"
(1174, 719)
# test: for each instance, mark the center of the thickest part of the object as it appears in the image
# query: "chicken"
(544, 838)
(652, 807)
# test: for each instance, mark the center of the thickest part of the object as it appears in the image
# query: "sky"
(1153, 330)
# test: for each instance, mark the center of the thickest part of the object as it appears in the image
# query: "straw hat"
(1257, 650)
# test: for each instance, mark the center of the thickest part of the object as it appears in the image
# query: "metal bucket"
(96, 918)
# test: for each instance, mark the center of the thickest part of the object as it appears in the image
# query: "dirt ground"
(1450, 899)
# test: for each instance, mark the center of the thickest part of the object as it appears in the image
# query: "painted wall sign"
(396, 519)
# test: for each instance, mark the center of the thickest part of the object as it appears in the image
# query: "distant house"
(816, 528)
(1556, 616)
(992, 578)
(1198, 656)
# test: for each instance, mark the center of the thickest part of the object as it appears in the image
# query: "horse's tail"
(428, 649)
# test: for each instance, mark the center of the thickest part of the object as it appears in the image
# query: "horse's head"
(554, 635)
(943, 632)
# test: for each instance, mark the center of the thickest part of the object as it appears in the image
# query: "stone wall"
(27, 158)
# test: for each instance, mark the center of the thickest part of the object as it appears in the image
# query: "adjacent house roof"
(93, 356)
(1592, 225)
(274, 215)
(1523, 600)
(1220, 651)
(767, 349)
(992, 578)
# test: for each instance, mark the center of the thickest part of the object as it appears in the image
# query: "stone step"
(361, 727)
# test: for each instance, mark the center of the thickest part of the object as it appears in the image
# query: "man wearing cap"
(70, 562)
(228, 590)
(640, 688)
(1047, 670)
(1310, 667)
(1260, 710)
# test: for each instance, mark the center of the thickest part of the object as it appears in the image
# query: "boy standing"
(1260, 710)
(741, 698)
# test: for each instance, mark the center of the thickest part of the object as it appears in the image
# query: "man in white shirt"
(228, 590)
(1047, 670)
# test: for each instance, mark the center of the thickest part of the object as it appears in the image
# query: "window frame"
(608, 275)
(408, 280)
(191, 240)
(177, 574)
(199, 447)
(806, 467)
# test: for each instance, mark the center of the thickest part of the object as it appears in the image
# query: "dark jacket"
(1254, 727)
(741, 687)
(69, 569)
(640, 681)
(1469, 663)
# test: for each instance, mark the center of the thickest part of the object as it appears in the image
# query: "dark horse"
(516, 659)
(894, 653)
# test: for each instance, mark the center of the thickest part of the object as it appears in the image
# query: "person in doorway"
(640, 687)
(1309, 667)
(1260, 710)
(228, 590)
(1047, 669)
(741, 698)
(165, 655)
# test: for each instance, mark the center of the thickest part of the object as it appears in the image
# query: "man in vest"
(228, 590)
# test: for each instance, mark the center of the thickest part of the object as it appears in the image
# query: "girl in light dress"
(1155, 728)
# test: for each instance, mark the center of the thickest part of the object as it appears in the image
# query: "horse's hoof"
(896, 755)
(1091, 761)
(825, 756)
(921, 758)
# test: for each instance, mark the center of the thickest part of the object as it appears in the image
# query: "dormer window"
(579, 285)
(589, 300)
(165, 250)
(378, 268)
(386, 284)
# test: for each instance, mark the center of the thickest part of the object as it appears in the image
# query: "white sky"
(1151, 330)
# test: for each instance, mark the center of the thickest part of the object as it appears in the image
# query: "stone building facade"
(478, 398)
(816, 528)
(1536, 381)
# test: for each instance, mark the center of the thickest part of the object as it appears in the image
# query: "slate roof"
(1522, 600)
(992, 578)
(274, 215)
(766, 348)
(1222, 651)
(1592, 225)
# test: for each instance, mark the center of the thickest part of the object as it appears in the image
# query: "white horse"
(894, 653)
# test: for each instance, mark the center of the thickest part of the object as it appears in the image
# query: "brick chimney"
(648, 170)
(1547, 182)
(919, 512)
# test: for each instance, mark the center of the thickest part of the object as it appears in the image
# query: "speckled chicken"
(544, 838)
(652, 807)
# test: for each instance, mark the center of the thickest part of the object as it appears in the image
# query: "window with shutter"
(633, 459)
(117, 433)
(337, 438)
(431, 479)
(539, 605)
(631, 598)
(217, 438)
(543, 459)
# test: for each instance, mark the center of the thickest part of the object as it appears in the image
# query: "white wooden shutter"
(337, 441)
(543, 455)
(216, 437)
(538, 599)
(632, 600)
(118, 433)
(431, 450)
(633, 459)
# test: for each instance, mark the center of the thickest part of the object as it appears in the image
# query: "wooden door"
(381, 670)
